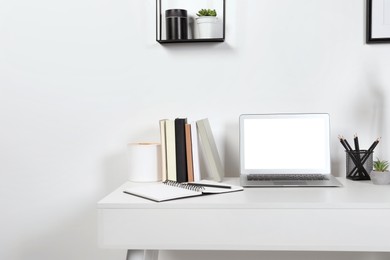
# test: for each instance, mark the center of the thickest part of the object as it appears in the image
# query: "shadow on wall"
(231, 151)
(337, 163)
(378, 111)
(75, 235)
(74, 238)
(115, 170)
(371, 111)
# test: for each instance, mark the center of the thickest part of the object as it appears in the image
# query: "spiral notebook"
(171, 190)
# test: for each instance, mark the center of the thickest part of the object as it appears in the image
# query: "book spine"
(171, 149)
(209, 148)
(181, 160)
(163, 141)
(190, 168)
(195, 152)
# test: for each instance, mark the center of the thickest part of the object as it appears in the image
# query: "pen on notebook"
(210, 185)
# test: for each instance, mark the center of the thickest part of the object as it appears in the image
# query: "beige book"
(163, 141)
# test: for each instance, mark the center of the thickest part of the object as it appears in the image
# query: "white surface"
(255, 219)
(81, 79)
(354, 195)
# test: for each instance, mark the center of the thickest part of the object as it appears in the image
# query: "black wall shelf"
(160, 25)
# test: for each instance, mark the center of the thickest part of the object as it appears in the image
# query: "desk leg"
(142, 255)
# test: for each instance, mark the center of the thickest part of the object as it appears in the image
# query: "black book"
(181, 158)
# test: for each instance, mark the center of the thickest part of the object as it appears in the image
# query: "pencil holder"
(359, 165)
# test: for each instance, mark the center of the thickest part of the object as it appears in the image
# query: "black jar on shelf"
(176, 23)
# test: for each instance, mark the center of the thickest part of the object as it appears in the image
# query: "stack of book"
(181, 144)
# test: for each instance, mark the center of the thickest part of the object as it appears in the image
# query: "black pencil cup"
(359, 165)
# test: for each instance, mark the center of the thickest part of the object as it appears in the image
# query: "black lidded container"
(176, 24)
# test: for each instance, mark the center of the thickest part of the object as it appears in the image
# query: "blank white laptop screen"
(290, 143)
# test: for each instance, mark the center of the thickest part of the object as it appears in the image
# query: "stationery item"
(354, 156)
(171, 190)
(358, 162)
(190, 166)
(144, 162)
(163, 141)
(356, 168)
(181, 158)
(356, 141)
(357, 150)
(280, 150)
(170, 149)
(195, 152)
(210, 151)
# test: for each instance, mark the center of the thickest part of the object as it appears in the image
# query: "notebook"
(285, 150)
(171, 190)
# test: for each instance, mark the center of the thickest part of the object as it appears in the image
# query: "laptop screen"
(285, 143)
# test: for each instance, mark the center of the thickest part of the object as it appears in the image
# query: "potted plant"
(207, 22)
(380, 175)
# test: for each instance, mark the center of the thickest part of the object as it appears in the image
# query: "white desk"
(353, 218)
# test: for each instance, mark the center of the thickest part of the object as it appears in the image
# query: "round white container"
(144, 162)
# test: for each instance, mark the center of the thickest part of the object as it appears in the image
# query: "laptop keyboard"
(286, 177)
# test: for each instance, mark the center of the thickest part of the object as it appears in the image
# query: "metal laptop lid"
(284, 144)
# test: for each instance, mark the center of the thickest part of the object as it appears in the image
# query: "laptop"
(285, 150)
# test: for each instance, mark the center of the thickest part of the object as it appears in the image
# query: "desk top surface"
(354, 195)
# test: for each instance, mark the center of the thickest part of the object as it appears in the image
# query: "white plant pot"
(380, 178)
(207, 27)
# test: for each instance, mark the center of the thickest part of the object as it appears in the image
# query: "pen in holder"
(359, 164)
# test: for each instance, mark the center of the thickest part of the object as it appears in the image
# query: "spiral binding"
(184, 185)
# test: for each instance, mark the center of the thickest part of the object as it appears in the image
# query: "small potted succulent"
(380, 175)
(207, 22)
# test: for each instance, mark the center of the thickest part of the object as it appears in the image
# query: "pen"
(346, 142)
(374, 144)
(343, 143)
(210, 185)
(357, 149)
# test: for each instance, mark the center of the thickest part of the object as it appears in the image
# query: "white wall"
(80, 78)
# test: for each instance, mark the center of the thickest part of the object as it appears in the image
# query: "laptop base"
(332, 182)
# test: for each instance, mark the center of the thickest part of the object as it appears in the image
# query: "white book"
(209, 149)
(195, 152)
(171, 149)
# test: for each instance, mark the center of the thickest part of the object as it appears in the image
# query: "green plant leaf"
(380, 165)
(207, 12)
